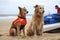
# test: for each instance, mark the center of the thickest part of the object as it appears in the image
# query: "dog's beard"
(39, 14)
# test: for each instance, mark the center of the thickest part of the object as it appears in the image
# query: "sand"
(4, 33)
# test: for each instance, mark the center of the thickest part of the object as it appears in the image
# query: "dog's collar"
(22, 17)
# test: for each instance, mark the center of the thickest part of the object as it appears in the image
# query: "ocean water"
(12, 17)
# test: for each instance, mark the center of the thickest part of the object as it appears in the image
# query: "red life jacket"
(21, 20)
(58, 10)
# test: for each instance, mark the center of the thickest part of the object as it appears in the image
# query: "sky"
(10, 7)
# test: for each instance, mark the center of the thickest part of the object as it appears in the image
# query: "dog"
(19, 23)
(37, 22)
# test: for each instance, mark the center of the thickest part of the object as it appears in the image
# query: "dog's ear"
(19, 8)
(35, 6)
(24, 7)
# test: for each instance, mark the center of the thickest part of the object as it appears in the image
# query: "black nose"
(43, 11)
(27, 11)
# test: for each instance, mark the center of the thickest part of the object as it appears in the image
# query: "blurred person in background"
(58, 9)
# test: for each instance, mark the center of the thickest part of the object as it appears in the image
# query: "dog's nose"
(27, 11)
(43, 11)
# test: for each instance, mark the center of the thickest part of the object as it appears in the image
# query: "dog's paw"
(30, 33)
(39, 34)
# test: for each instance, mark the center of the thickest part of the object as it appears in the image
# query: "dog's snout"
(27, 11)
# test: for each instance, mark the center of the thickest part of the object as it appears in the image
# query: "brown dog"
(36, 25)
(19, 23)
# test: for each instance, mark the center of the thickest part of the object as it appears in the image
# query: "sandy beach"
(4, 33)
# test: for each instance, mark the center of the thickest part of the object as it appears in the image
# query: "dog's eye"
(24, 9)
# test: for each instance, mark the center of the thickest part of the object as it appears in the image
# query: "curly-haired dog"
(36, 24)
(19, 23)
